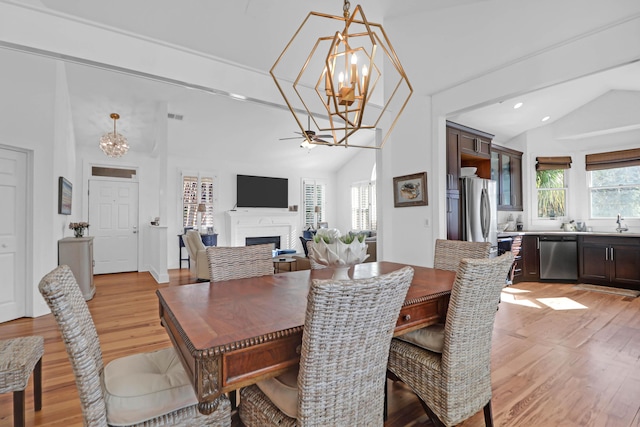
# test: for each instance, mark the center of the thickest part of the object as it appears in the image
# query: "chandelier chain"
(346, 8)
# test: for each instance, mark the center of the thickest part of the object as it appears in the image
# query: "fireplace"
(257, 223)
(274, 240)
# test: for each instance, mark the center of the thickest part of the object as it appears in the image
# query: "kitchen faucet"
(620, 228)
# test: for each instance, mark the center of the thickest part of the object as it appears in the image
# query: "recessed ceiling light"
(518, 105)
(545, 118)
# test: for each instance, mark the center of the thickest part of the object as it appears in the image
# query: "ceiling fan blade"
(324, 136)
(293, 137)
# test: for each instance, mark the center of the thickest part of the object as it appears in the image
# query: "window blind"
(613, 159)
(552, 163)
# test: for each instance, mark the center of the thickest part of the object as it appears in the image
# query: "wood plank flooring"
(561, 356)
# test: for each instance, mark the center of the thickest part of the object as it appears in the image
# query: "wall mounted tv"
(262, 192)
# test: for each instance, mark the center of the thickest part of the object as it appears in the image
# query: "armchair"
(199, 264)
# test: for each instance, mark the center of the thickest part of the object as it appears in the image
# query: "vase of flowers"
(78, 228)
(339, 252)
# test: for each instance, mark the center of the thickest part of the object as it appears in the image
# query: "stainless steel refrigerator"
(479, 211)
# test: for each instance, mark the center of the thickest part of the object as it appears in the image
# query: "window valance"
(551, 163)
(613, 159)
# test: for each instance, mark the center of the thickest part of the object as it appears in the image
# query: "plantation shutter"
(313, 194)
(197, 189)
(363, 212)
(613, 159)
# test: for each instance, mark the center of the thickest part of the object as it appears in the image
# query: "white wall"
(30, 123)
(357, 170)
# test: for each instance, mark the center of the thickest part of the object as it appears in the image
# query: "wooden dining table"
(235, 333)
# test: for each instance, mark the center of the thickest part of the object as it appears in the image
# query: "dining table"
(234, 333)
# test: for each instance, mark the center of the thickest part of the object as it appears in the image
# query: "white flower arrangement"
(332, 249)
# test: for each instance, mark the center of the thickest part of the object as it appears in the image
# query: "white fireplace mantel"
(262, 223)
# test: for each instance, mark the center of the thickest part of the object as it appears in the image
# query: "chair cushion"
(144, 386)
(430, 338)
(282, 391)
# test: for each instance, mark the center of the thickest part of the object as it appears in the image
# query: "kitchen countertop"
(566, 233)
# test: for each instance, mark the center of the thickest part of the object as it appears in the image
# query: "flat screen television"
(262, 192)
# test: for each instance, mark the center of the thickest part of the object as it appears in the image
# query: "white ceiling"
(555, 102)
(441, 38)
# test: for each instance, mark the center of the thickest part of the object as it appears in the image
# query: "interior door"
(13, 176)
(113, 219)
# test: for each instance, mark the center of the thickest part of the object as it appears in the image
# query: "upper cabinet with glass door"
(506, 170)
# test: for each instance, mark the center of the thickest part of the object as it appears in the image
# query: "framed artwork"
(64, 196)
(410, 190)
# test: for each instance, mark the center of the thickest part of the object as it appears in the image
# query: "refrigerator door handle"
(485, 213)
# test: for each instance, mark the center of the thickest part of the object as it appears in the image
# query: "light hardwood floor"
(561, 356)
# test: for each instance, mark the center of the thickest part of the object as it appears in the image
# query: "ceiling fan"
(310, 134)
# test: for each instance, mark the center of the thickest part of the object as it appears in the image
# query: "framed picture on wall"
(410, 190)
(64, 196)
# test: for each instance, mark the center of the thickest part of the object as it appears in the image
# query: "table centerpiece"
(339, 252)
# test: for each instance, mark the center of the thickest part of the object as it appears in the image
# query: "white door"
(113, 221)
(13, 240)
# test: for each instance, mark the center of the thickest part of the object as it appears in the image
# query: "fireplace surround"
(252, 223)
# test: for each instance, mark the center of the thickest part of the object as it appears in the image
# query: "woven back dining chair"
(313, 263)
(239, 262)
(345, 346)
(449, 253)
(145, 389)
(454, 383)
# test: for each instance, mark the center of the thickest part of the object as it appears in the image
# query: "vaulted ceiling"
(441, 43)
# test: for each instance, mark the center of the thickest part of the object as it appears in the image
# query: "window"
(615, 191)
(313, 198)
(614, 183)
(551, 186)
(363, 206)
(197, 191)
(552, 193)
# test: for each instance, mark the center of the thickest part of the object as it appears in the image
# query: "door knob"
(135, 229)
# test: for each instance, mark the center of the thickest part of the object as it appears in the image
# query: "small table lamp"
(202, 208)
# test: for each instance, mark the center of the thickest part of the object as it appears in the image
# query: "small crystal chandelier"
(114, 144)
(340, 75)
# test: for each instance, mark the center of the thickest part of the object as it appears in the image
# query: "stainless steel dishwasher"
(558, 257)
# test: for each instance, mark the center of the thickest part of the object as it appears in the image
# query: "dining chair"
(345, 346)
(239, 262)
(447, 256)
(145, 389)
(313, 263)
(453, 379)
(449, 253)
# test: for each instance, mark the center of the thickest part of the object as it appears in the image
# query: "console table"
(77, 253)
(207, 239)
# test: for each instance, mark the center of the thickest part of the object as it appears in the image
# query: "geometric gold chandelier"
(340, 85)
(112, 143)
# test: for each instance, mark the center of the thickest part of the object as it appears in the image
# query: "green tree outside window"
(551, 188)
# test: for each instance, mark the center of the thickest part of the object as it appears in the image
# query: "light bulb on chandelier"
(114, 144)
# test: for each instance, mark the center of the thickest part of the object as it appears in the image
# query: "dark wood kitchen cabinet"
(466, 147)
(506, 170)
(530, 253)
(609, 261)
